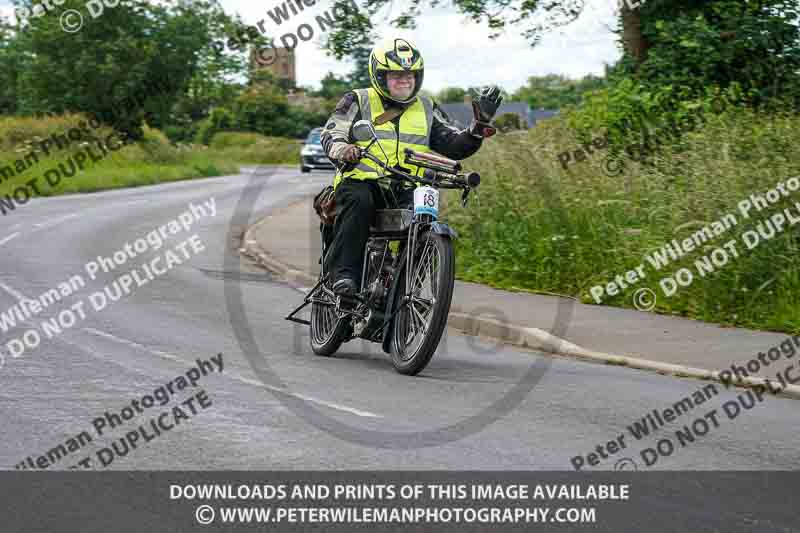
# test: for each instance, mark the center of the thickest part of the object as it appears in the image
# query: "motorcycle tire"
(444, 274)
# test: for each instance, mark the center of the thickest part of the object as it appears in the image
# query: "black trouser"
(356, 202)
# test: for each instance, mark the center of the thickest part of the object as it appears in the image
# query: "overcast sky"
(457, 51)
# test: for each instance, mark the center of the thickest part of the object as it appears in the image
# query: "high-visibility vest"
(414, 131)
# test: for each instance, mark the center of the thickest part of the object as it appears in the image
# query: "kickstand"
(306, 301)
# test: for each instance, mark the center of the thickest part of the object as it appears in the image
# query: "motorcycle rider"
(402, 119)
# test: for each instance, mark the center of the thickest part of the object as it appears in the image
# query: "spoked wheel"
(419, 324)
(328, 331)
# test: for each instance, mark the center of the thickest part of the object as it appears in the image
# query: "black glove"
(484, 108)
(486, 104)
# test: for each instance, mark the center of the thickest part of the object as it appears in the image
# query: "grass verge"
(540, 227)
(24, 157)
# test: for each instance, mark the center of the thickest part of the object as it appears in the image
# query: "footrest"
(353, 300)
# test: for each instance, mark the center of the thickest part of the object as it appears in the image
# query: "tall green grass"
(247, 147)
(150, 161)
(537, 226)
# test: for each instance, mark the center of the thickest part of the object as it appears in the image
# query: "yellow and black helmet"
(395, 55)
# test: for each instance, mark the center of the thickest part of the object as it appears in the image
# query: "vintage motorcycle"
(406, 288)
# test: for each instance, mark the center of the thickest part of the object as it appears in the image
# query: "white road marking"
(13, 292)
(12, 236)
(134, 344)
(338, 407)
(54, 222)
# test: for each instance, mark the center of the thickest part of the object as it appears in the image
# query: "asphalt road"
(154, 334)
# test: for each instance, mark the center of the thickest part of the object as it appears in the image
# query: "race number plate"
(426, 201)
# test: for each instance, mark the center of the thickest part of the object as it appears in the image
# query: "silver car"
(312, 155)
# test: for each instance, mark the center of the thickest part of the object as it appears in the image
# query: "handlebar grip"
(473, 179)
(433, 159)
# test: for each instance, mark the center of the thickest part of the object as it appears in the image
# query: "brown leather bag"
(325, 205)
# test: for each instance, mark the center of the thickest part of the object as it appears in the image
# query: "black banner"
(151, 502)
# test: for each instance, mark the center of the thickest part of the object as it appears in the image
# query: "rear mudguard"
(396, 292)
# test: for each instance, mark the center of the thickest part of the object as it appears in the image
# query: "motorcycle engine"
(376, 293)
(380, 275)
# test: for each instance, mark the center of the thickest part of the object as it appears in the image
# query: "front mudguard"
(393, 301)
(443, 229)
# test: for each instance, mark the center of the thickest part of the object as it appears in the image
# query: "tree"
(12, 61)
(451, 95)
(359, 76)
(696, 44)
(264, 108)
(555, 92)
(333, 87)
(702, 42)
(356, 29)
(114, 62)
(634, 41)
(215, 81)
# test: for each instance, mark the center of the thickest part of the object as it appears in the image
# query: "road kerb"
(525, 337)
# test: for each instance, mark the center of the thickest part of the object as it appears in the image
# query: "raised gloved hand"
(483, 108)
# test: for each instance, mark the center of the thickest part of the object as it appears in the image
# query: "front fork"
(421, 222)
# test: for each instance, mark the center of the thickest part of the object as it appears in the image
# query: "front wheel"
(420, 322)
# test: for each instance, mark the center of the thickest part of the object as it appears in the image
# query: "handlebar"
(435, 178)
(432, 161)
(471, 180)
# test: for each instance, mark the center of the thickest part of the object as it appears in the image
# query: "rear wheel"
(419, 324)
(328, 331)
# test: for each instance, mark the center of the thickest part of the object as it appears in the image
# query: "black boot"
(345, 287)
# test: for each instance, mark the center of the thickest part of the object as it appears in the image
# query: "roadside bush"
(157, 147)
(17, 132)
(220, 119)
(182, 134)
(632, 113)
(247, 147)
(509, 122)
(236, 139)
(150, 161)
